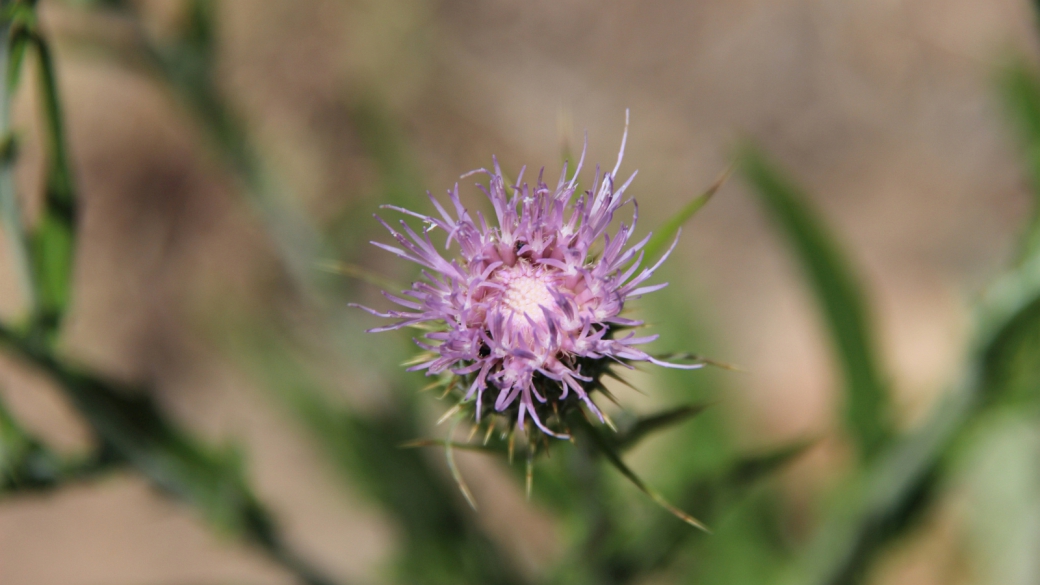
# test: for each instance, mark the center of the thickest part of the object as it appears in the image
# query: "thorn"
(417, 359)
(455, 473)
(610, 396)
(530, 472)
(431, 386)
(454, 410)
(616, 376)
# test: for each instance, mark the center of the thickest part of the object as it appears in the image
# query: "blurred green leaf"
(187, 62)
(11, 55)
(52, 241)
(882, 501)
(711, 498)
(886, 497)
(1012, 361)
(26, 464)
(996, 477)
(1020, 86)
(44, 256)
(664, 235)
(128, 420)
(629, 436)
(839, 296)
(442, 541)
(608, 451)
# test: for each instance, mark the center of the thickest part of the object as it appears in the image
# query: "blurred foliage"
(839, 296)
(610, 533)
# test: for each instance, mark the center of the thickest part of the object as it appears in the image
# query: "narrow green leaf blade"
(658, 421)
(132, 424)
(666, 233)
(838, 295)
(438, 532)
(711, 498)
(614, 458)
(1020, 88)
(12, 49)
(1011, 364)
(52, 242)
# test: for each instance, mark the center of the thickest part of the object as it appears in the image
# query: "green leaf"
(1011, 364)
(838, 294)
(711, 497)
(608, 451)
(128, 420)
(441, 542)
(12, 49)
(629, 436)
(1020, 88)
(752, 468)
(664, 235)
(51, 242)
(27, 464)
(879, 504)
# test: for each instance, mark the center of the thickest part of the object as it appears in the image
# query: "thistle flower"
(528, 316)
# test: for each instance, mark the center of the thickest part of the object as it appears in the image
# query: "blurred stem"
(10, 209)
(43, 255)
(889, 494)
(186, 65)
(587, 474)
(53, 241)
(129, 422)
(26, 464)
(1021, 92)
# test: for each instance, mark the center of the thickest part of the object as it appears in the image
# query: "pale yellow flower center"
(524, 294)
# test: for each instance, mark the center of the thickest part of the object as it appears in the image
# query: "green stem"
(130, 422)
(10, 210)
(53, 240)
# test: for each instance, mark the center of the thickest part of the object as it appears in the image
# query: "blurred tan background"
(884, 109)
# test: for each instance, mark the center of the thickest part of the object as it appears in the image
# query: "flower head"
(527, 317)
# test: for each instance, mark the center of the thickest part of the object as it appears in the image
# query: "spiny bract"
(527, 311)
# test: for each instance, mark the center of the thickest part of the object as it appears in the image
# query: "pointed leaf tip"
(671, 228)
(658, 422)
(614, 458)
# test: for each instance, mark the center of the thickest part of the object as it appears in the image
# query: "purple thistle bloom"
(527, 313)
